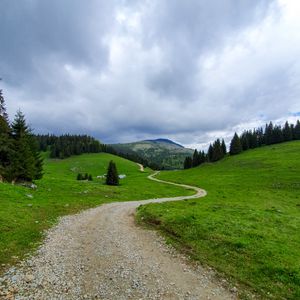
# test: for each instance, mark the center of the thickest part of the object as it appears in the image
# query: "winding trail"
(101, 254)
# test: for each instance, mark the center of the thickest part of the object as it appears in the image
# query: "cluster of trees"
(271, 134)
(216, 151)
(19, 156)
(66, 145)
(112, 177)
(249, 139)
(85, 176)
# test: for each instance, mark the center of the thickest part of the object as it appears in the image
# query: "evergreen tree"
(196, 159)
(188, 162)
(287, 132)
(244, 141)
(224, 149)
(90, 178)
(24, 161)
(297, 131)
(112, 177)
(6, 152)
(269, 134)
(235, 145)
(217, 152)
(79, 176)
(210, 153)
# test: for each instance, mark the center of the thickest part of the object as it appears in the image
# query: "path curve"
(101, 254)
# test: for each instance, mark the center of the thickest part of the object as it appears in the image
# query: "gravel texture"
(101, 254)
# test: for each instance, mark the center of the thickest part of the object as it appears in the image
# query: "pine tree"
(6, 152)
(223, 145)
(24, 161)
(235, 145)
(210, 153)
(112, 177)
(217, 152)
(196, 160)
(188, 162)
(79, 176)
(297, 131)
(287, 132)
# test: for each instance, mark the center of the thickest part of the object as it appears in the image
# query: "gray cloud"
(126, 70)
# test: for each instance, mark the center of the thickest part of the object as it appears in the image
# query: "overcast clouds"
(124, 70)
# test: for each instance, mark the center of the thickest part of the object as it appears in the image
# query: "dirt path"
(141, 167)
(101, 254)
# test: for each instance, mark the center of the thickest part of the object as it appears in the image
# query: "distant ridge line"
(164, 141)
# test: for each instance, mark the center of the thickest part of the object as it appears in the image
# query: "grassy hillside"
(248, 225)
(24, 213)
(163, 153)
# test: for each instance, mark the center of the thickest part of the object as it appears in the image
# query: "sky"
(126, 70)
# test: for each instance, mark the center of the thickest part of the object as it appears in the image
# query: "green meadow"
(25, 213)
(248, 226)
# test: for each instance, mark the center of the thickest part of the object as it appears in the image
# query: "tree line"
(67, 145)
(216, 151)
(19, 156)
(249, 139)
(271, 134)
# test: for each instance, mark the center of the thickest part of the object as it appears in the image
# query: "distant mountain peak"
(167, 141)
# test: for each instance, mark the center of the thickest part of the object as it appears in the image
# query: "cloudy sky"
(124, 70)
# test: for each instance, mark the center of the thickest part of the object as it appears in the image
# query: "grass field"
(25, 213)
(248, 226)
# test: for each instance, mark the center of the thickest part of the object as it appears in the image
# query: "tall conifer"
(235, 145)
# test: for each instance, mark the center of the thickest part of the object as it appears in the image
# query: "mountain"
(164, 153)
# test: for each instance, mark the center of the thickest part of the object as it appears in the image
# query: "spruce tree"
(210, 153)
(188, 162)
(112, 177)
(297, 131)
(24, 161)
(217, 152)
(287, 132)
(196, 161)
(223, 145)
(6, 151)
(235, 145)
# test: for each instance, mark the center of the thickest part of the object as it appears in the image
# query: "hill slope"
(24, 213)
(162, 152)
(248, 225)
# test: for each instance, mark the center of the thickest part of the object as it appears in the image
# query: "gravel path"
(101, 254)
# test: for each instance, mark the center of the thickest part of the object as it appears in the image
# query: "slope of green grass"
(25, 213)
(248, 226)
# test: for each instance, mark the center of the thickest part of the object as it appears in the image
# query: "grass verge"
(247, 227)
(26, 213)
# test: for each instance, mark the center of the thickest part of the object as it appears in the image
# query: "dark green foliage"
(217, 151)
(112, 177)
(235, 145)
(66, 145)
(19, 156)
(297, 131)
(287, 132)
(86, 176)
(24, 162)
(6, 152)
(224, 149)
(188, 162)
